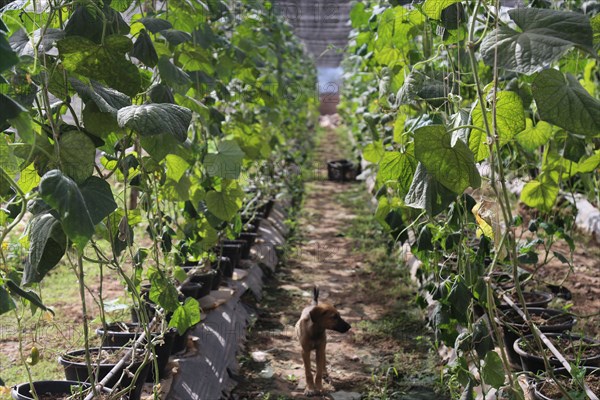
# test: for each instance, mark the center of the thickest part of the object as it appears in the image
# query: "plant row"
(449, 101)
(138, 137)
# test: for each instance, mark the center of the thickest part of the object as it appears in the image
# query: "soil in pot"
(103, 360)
(548, 320)
(576, 349)
(532, 300)
(120, 334)
(55, 390)
(547, 389)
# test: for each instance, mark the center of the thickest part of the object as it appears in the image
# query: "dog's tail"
(315, 295)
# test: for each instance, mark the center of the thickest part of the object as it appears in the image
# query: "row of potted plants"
(151, 358)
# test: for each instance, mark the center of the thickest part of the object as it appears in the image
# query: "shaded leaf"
(155, 25)
(48, 244)
(156, 119)
(63, 195)
(545, 36)
(6, 302)
(493, 370)
(427, 193)
(28, 295)
(98, 198)
(143, 50)
(108, 100)
(562, 101)
(100, 61)
(77, 155)
(23, 44)
(176, 37)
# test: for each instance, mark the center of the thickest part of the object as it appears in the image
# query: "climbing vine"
(124, 120)
(451, 102)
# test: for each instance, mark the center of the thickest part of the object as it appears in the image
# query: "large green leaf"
(562, 101)
(163, 292)
(63, 195)
(540, 193)
(426, 193)
(451, 165)
(156, 119)
(176, 37)
(47, 246)
(510, 120)
(226, 203)
(493, 370)
(532, 137)
(545, 36)
(108, 100)
(101, 61)
(226, 162)
(77, 155)
(397, 167)
(374, 151)
(176, 167)
(186, 315)
(98, 198)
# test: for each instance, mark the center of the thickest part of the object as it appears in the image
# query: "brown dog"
(310, 329)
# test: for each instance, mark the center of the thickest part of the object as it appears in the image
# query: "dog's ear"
(315, 295)
(316, 314)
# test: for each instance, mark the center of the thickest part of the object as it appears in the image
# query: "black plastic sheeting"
(208, 375)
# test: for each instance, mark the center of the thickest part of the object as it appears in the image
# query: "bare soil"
(387, 348)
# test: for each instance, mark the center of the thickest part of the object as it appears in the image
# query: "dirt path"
(338, 247)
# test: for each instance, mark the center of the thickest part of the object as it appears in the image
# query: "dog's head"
(329, 317)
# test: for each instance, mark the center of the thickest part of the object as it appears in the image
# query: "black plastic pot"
(180, 342)
(535, 363)
(532, 300)
(51, 388)
(265, 209)
(78, 371)
(206, 280)
(249, 237)
(513, 327)
(234, 253)
(218, 278)
(124, 334)
(342, 171)
(191, 289)
(245, 250)
(540, 385)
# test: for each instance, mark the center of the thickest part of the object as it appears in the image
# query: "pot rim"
(522, 352)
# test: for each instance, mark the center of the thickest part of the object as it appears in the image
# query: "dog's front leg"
(320, 368)
(310, 385)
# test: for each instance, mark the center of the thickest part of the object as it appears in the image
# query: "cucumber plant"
(450, 102)
(128, 119)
